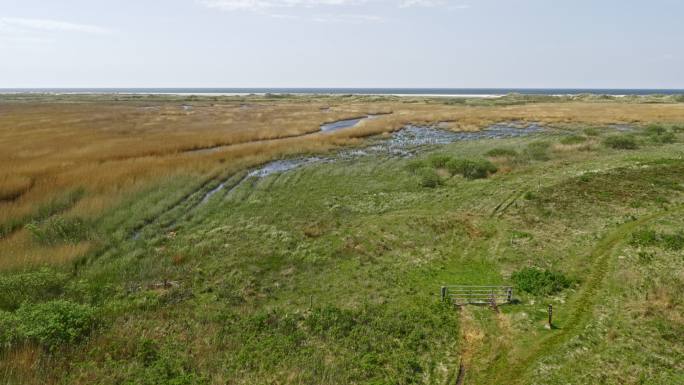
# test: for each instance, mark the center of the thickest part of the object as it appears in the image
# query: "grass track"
(518, 372)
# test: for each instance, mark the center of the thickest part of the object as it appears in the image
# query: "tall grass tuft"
(621, 142)
(57, 230)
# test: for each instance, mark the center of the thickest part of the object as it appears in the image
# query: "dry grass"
(112, 149)
(20, 366)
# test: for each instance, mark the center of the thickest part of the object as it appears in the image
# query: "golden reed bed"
(112, 149)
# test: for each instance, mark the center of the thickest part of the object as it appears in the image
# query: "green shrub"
(665, 138)
(164, 366)
(573, 139)
(501, 152)
(43, 284)
(471, 169)
(438, 160)
(621, 142)
(655, 129)
(54, 323)
(147, 351)
(540, 282)
(8, 329)
(538, 151)
(429, 178)
(56, 230)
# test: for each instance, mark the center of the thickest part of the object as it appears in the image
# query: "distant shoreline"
(403, 92)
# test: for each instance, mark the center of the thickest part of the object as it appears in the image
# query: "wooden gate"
(475, 294)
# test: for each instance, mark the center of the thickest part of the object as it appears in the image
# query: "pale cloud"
(20, 24)
(258, 5)
(432, 3)
(262, 5)
(348, 19)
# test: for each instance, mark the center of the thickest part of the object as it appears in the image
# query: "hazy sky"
(342, 43)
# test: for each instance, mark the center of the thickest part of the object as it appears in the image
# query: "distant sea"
(474, 92)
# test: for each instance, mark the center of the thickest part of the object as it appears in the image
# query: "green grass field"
(330, 273)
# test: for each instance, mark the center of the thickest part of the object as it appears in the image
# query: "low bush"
(540, 282)
(56, 230)
(43, 284)
(428, 177)
(471, 169)
(665, 138)
(439, 160)
(621, 142)
(501, 152)
(54, 323)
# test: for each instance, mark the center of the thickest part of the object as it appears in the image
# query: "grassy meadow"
(115, 269)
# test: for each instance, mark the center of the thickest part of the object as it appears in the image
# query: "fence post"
(443, 293)
(509, 294)
(550, 316)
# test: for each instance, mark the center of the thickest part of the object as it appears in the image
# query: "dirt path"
(582, 308)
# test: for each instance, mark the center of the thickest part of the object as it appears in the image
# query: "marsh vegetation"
(127, 256)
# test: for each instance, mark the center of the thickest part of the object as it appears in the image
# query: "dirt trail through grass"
(581, 308)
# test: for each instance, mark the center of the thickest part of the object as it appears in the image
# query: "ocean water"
(356, 91)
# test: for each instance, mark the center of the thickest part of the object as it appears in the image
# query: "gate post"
(443, 293)
(509, 295)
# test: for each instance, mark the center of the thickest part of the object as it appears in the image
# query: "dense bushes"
(471, 169)
(621, 142)
(49, 324)
(468, 168)
(8, 329)
(540, 282)
(660, 134)
(373, 343)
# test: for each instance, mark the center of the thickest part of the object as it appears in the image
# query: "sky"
(342, 43)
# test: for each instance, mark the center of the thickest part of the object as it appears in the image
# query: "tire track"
(583, 306)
